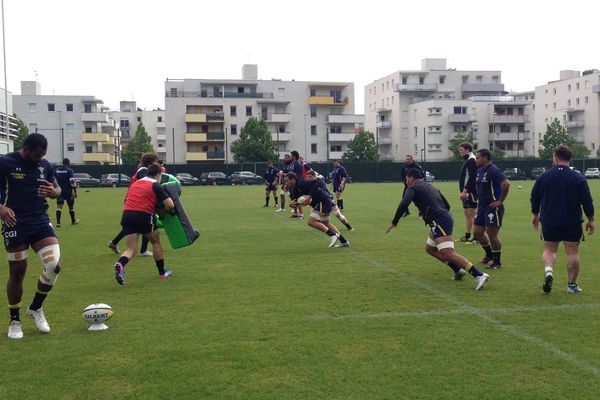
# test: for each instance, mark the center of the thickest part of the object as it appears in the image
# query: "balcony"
(335, 155)
(384, 140)
(341, 137)
(98, 138)
(205, 156)
(422, 87)
(574, 124)
(161, 137)
(458, 118)
(161, 150)
(98, 157)
(384, 124)
(161, 124)
(94, 117)
(195, 117)
(195, 156)
(218, 117)
(281, 136)
(345, 119)
(508, 136)
(205, 137)
(327, 101)
(596, 89)
(508, 119)
(482, 87)
(279, 118)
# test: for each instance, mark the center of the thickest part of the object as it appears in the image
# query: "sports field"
(260, 308)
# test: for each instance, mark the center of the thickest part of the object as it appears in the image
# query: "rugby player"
(435, 211)
(409, 162)
(138, 219)
(297, 167)
(26, 179)
(338, 181)
(287, 161)
(492, 189)
(68, 188)
(312, 176)
(270, 176)
(468, 188)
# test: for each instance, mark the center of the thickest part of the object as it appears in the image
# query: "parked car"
(429, 177)
(592, 173)
(214, 178)
(245, 178)
(515, 174)
(187, 179)
(113, 180)
(85, 180)
(537, 172)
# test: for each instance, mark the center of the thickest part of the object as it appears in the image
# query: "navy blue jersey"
(19, 182)
(560, 193)
(488, 184)
(64, 178)
(468, 172)
(429, 200)
(298, 169)
(339, 172)
(270, 174)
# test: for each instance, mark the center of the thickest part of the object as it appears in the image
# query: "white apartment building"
(129, 117)
(7, 122)
(204, 116)
(77, 127)
(573, 99)
(418, 112)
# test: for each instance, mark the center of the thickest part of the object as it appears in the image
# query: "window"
(281, 129)
(233, 129)
(69, 128)
(50, 107)
(404, 80)
(88, 148)
(465, 79)
(124, 123)
(139, 119)
(173, 92)
(421, 80)
(248, 111)
(569, 103)
(233, 111)
(88, 129)
(546, 106)
(313, 148)
(335, 147)
(586, 100)
(70, 147)
(442, 79)
(387, 85)
(336, 129)
(280, 92)
(577, 88)
(569, 87)
(159, 118)
(479, 78)
(69, 107)
(32, 128)
(586, 84)
(491, 128)
(554, 91)
(460, 110)
(313, 112)
(32, 107)
(313, 92)
(504, 128)
(554, 106)
(495, 78)
(416, 131)
(313, 130)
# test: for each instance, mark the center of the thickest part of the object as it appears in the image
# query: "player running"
(270, 177)
(26, 179)
(312, 176)
(435, 211)
(338, 181)
(68, 188)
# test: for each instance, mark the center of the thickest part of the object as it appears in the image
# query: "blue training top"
(488, 184)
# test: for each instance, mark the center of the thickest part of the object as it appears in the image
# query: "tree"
(497, 154)
(254, 144)
(140, 143)
(362, 148)
(557, 135)
(22, 132)
(461, 137)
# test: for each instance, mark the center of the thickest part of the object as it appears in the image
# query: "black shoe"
(119, 273)
(495, 265)
(548, 283)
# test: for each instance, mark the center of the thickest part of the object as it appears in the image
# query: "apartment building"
(7, 122)
(129, 117)
(77, 127)
(573, 99)
(418, 112)
(204, 116)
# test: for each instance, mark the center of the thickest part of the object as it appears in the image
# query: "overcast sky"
(124, 49)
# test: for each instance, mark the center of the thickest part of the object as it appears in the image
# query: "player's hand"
(46, 189)
(389, 229)
(495, 204)
(463, 196)
(74, 195)
(8, 217)
(535, 221)
(590, 227)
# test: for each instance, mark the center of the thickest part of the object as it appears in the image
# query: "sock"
(330, 232)
(454, 267)
(473, 271)
(118, 238)
(267, 201)
(38, 299)
(72, 214)
(341, 204)
(123, 261)
(58, 214)
(468, 235)
(342, 239)
(548, 270)
(275, 200)
(144, 247)
(488, 251)
(497, 256)
(13, 309)
(160, 265)
(348, 225)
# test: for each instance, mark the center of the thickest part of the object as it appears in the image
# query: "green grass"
(260, 308)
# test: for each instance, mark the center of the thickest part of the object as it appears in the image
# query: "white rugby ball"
(520, 187)
(301, 199)
(97, 313)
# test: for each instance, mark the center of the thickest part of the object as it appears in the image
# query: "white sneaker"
(147, 253)
(480, 281)
(333, 239)
(14, 330)
(347, 244)
(458, 276)
(279, 210)
(301, 217)
(40, 320)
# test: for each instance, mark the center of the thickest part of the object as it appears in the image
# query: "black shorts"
(441, 226)
(27, 232)
(487, 216)
(572, 233)
(338, 189)
(271, 187)
(137, 222)
(470, 201)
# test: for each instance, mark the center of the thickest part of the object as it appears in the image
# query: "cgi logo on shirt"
(42, 177)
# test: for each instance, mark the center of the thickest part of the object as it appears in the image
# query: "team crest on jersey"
(42, 174)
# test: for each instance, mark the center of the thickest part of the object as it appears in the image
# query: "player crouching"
(434, 209)
(138, 219)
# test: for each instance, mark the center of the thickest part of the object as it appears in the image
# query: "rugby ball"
(300, 199)
(97, 313)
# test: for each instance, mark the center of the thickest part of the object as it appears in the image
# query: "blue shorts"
(470, 201)
(27, 232)
(324, 206)
(338, 189)
(441, 225)
(572, 233)
(487, 216)
(271, 187)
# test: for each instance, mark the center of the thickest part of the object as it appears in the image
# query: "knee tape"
(445, 245)
(431, 243)
(17, 255)
(50, 256)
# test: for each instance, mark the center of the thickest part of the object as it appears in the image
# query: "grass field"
(260, 308)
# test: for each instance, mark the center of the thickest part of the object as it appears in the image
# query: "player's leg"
(282, 195)
(336, 211)
(343, 241)
(113, 243)
(17, 267)
(59, 206)
(158, 254)
(549, 259)
(445, 247)
(131, 241)
(49, 252)
(431, 249)
(573, 262)
(481, 236)
(267, 193)
(339, 199)
(71, 204)
(493, 233)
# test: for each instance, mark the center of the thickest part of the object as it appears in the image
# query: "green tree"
(22, 132)
(362, 148)
(461, 137)
(140, 143)
(497, 154)
(254, 144)
(557, 135)
(580, 150)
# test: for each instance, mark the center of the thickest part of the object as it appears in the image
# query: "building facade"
(77, 127)
(8, 124)
(204, 116)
